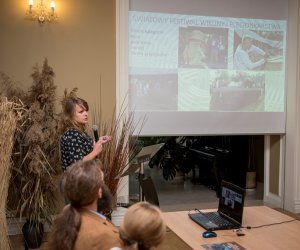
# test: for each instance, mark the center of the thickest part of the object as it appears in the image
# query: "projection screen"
(207, 67)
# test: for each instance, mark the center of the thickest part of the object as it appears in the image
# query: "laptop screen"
(231, 202)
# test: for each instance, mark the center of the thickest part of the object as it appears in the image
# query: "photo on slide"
(203, 48)
(153, 92)
(258, 50)
(193, 90)
(237, 91)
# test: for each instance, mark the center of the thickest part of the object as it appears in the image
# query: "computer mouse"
(209, 234)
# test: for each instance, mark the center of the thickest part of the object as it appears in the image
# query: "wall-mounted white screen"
(208, 67)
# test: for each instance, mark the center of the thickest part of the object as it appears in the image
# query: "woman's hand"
(98, 146)
(106, 138)
(97, 149)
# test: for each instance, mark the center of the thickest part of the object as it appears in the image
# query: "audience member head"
(83, 186)
(83, 180)
(143, 227)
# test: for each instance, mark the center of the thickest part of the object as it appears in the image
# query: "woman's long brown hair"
(82, 182)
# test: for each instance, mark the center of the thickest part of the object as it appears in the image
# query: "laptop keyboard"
(217, 219)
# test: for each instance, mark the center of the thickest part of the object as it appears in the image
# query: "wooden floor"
(17, 242)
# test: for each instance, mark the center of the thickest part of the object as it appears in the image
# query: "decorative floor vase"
(33, 234)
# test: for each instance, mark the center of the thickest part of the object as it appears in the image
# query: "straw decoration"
(7, 130)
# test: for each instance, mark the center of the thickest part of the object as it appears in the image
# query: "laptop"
(230, 210)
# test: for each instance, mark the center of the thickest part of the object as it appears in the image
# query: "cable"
(195, 209)
(271, 224)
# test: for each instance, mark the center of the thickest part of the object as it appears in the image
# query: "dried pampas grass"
(35, 157)
(7, 129)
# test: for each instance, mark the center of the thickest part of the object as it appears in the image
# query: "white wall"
(292, 159)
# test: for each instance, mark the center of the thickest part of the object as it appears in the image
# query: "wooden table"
(280, 236)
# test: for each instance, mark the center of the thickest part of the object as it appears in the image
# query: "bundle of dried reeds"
(32, 190)
(7, 130)
(118, 153)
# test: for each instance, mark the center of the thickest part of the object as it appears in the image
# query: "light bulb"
(52, 5)
(30, 6)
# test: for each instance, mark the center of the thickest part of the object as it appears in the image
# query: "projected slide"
(198, 63)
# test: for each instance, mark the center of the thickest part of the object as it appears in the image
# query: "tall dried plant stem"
(116, 154)
(7, 129)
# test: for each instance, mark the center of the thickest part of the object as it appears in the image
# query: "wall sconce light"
(41, 11)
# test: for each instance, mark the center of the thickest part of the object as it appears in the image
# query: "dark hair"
(68, 110)
(105, 203)
(82, 182)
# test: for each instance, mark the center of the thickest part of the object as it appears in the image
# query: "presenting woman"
(75, 143)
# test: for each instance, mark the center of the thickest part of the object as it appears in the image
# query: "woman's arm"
(95, 152)
(98, 147)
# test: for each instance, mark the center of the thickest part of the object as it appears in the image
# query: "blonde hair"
(143, 227)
